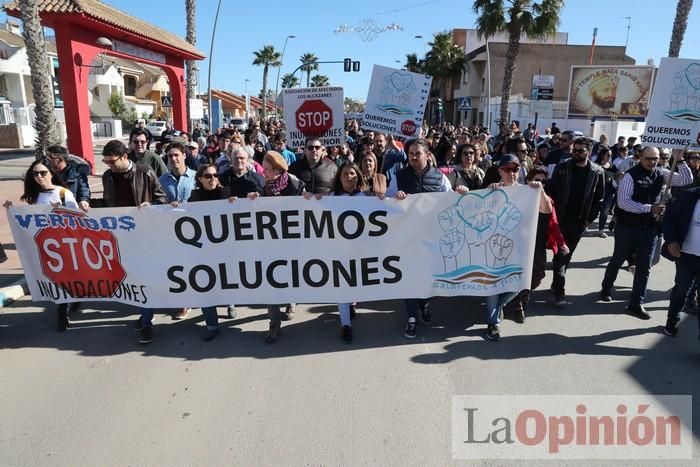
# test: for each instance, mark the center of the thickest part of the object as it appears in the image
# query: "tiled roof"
(15, 40)
(110, 15)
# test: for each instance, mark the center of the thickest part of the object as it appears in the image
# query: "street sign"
(533, 94)
(543, 81)
(545, 94)
(465, 103)
(196, 109)
(166, 101)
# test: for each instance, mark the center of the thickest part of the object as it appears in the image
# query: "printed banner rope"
(281, 250)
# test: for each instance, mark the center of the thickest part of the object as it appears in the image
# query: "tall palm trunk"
(511, 55)
(191, 37)
(679, 25)
(42, 89)
(308, 77)
(264, 109)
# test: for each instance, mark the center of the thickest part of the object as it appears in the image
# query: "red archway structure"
(78, 24)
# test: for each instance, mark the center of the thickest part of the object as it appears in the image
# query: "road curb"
(12, 292)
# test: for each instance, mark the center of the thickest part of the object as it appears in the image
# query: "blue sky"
(247, 26)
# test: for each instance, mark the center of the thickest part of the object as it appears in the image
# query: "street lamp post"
(247, 101)
(211, 53)
(277, 86)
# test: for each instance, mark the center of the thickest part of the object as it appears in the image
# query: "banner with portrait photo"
(281, 250)
(618, 91)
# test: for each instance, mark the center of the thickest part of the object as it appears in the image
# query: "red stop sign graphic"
(314, 117)
(408, 128)
(86, 260)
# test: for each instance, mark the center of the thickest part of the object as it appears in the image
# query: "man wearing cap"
(638, 210)
(577, 188)
(603, 92)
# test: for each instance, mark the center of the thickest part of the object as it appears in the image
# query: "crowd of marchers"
(646, 197)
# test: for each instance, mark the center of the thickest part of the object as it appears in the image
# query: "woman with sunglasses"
(42, 185)
(548, 236)
(508, 169)
(208, 188)
(466, 173)
(278, 182)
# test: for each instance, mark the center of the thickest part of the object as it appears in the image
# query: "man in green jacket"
(144, 157)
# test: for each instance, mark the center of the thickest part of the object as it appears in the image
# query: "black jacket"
(560, 183)
(678, 217)
(75, 177)
(319, 178)
(241, 186)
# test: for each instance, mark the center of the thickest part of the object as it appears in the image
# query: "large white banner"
(396, 101)
(281, 250)
(674, 114)
(315, 112)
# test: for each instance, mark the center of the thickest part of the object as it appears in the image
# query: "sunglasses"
(511, 170)
(110, 161)
(40, 173)
(140, 141)
(316, 147)
(210, 176)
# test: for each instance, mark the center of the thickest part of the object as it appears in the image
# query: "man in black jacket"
(239, 178)
(316, 172)
(681, 228)
(577, 187)
(74, 172)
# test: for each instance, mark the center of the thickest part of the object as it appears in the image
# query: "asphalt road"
(94, 396)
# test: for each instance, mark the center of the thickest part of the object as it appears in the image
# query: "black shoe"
(638, 311)
(519, 315)
(62, 320)
(210, 334)
(559, 299)
(353, 309)
(410, 331)
(425, 316)
(347, 334)
(146, 336)
(137, 325)
(231, 312)
(273, 333)
(493, 332)
(671, 328)
(605, 295)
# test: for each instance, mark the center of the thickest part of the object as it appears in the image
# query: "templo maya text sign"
(281, 250)
(674, 115)
(314, 112)
(396, 102)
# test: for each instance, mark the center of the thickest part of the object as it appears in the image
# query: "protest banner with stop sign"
(396, 102)
(314, 112)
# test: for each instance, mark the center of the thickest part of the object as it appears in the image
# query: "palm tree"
(444, 61)
(289, 81)
(414, 64)
(267, 57)
(191, 37)
(679, 24)
(42, 88)
(534, 19)
(319, 81)
(309, 60)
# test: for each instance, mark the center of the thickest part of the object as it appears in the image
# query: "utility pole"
(629, 24)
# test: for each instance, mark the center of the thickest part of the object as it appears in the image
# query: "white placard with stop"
(314, 112)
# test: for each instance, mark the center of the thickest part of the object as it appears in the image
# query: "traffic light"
(350, 65)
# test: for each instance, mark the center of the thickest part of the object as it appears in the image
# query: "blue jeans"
(146, 317)
(628, 241)
(495, 304)
(413, 305)
(210, 317)
(687, 271)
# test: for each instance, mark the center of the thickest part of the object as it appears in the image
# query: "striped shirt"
(684, 176)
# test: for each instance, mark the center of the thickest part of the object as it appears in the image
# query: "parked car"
(156, 127)
(239, 124)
